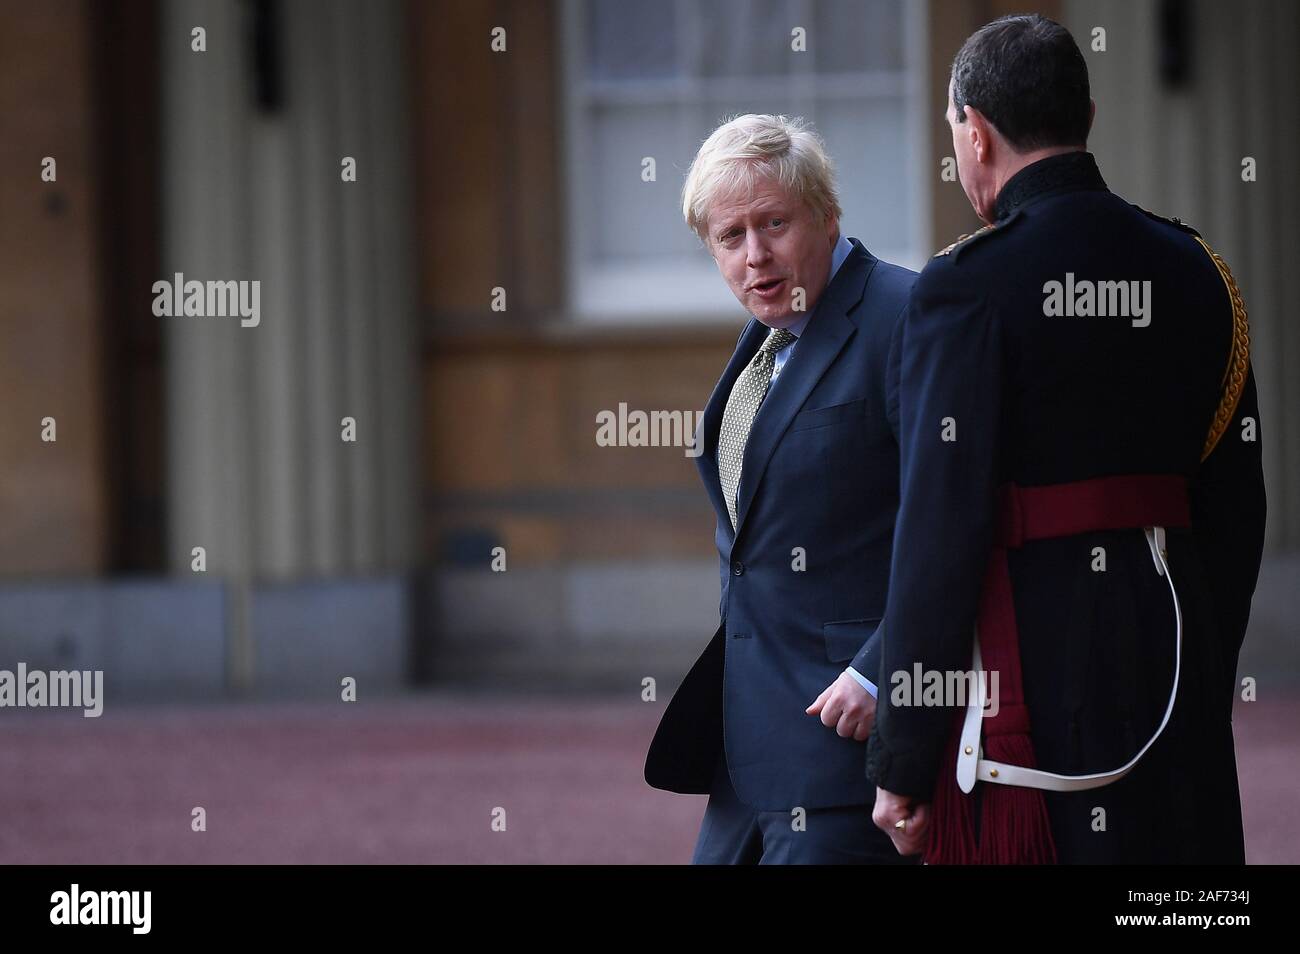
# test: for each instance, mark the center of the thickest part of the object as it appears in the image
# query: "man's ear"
(1092, 113)
(980, 132)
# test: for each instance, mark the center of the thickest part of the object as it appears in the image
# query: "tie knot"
(777, 339)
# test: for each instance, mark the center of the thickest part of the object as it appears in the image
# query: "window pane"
(868, 143)
(738, 38)
(631, 40)
(626, 217)
(852, 36)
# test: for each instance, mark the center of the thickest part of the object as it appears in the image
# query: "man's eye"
(776, 223)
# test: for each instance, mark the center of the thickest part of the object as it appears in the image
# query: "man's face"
(970, 172)
(767, 245)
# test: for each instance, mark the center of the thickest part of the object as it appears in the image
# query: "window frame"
(641, 295)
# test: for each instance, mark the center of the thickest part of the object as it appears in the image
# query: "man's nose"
(756, 250)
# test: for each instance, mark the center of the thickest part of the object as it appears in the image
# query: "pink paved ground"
(415, 780)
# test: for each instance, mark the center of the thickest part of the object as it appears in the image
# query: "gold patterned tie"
(742, 407)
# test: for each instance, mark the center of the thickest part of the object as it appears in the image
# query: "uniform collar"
(1066, 172)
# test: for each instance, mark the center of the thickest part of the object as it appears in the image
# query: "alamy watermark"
(635, 428)
(951, 687)
(83, 689)
(213, 299)
(75, 906)
(1089, 299)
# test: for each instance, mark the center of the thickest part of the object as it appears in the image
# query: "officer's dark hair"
(1028, 77)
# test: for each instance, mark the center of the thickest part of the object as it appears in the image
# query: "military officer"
(1082, 502)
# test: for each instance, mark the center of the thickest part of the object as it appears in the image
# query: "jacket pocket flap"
(819, 416)
(845, 637)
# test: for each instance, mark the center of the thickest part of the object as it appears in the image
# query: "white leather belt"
(971, 764)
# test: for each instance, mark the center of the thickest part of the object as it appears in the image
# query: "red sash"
(1014, 826)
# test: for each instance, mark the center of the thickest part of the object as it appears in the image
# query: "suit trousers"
(732, 833)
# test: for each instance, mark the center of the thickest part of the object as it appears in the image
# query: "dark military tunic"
(998, 385)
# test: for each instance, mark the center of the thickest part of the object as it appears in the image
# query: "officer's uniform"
(999, 390)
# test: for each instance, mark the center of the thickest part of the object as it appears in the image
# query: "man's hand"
(890, 809)
(846, 707)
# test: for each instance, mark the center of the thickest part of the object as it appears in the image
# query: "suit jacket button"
(738, 568)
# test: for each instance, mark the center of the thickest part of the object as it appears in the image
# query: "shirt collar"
(838, 255)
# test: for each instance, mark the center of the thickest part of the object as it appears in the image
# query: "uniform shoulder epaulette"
(1168, 220)
(964, 239)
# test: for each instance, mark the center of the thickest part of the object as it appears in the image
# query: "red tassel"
(1014, 825)
(952, 815)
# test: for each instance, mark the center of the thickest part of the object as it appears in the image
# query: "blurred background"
(505, 266)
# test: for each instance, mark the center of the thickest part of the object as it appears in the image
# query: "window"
(654, 79)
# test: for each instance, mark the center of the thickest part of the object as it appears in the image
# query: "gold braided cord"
(962, 238)
(1234, 375)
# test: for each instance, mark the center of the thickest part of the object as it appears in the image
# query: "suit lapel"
(823, 338)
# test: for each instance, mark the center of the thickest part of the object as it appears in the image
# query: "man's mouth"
(768, 288)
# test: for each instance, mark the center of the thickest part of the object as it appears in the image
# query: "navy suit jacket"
(805, 573)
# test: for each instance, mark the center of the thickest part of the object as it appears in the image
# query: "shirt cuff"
(863, 681)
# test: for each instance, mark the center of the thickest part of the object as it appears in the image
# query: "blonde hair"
(747, 149)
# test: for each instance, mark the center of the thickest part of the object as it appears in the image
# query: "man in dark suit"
(799, 459)
(1082, 501)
